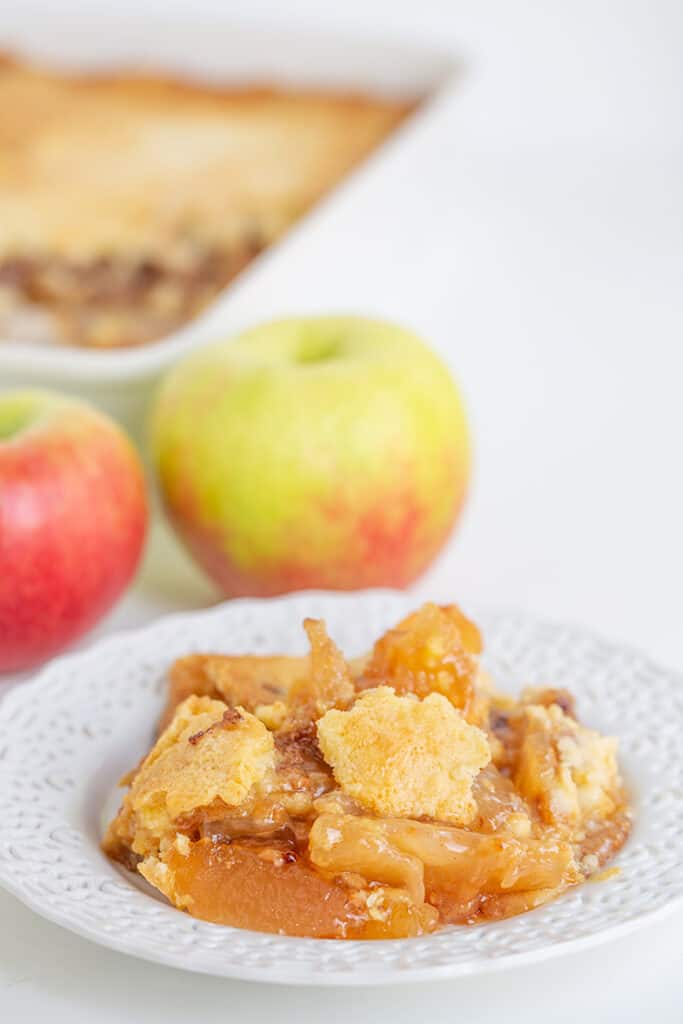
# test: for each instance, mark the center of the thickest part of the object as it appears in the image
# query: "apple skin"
(329, 452)
(73, 517)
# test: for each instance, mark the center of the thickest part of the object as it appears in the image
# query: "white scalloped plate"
(68, 735)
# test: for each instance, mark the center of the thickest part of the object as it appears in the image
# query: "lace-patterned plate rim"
(67, 735)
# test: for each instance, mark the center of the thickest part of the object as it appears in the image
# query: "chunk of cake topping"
(209, 751)
(399, 756)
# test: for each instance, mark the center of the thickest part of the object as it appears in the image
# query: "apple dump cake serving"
(377, 798)
(128, 202)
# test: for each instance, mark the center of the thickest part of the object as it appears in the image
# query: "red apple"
(73, 517)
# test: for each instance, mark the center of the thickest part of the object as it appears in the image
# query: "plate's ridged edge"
(359, 978)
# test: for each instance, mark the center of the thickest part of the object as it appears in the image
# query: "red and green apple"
(326, 452)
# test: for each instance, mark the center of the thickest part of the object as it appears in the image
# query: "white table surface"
(560, 307)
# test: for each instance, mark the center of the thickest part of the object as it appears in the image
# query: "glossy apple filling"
(381, 798)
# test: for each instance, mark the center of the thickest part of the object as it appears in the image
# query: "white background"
(558, 234)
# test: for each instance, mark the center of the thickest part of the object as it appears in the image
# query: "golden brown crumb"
(272, 715)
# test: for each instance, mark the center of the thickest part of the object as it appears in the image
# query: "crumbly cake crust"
(402, 757)
(208, 752)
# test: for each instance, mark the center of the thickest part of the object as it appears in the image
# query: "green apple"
(329, 452)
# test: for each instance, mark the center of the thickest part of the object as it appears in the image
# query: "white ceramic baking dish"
(338, 257)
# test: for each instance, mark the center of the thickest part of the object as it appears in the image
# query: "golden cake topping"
(399, 756)
(208, 752)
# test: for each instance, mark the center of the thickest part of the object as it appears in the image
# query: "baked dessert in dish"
(378, 798)
(128, 202)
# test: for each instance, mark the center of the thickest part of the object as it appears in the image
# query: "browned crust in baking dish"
(128, 201)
